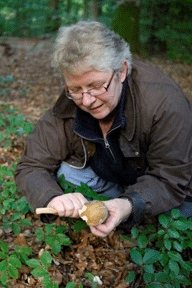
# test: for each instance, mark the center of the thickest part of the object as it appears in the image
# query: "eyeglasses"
(93, 92)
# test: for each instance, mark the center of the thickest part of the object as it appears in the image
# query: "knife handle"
(46, 210)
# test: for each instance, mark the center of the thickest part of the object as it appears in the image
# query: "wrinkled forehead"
(85, 78)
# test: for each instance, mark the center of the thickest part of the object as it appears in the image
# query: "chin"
(99, 116)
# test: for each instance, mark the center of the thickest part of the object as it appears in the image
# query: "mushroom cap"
(93, 212)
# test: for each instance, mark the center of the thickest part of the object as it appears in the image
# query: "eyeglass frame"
(68, 94)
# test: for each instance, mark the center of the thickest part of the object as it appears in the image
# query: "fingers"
(101, 230)
(97, 232)
(118, 210)
(68, 205)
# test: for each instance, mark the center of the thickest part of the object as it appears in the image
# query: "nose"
(88, 99)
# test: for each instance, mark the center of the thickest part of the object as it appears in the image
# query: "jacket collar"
(130, 110)
(65, 108)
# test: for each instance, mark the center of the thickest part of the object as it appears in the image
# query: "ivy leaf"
(70, 285)
(33, 263)
(5, 225)
(164, 220)
(46, 259)
(161, 232)
(13, 272)
(3, 266)
(56, 247)
(4, 247)
(167, 244)
(15, 262)
(162, 277)
(47, 281)
(134, 232)
(164, 259)
(50, 239)
(63, 239)
(175, 213)
(79, 225)
(89, 276)
(26, 250)
(49, 228)
(131, 277)
(15, 217)
(61, 229)
(183, 280)
(39, 272)
(3, 255)
(173, 266)
(15, 228)
(173, 233)
(4, 278)
(175, 256)
(25, 222)
(40, 235)
(151, 256)
(136, 256)
(177, 246)
(180, 225)
(142, 241)
(148, 268)
(186, 266)
(148, 277)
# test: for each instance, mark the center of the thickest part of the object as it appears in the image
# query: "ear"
(123, 72)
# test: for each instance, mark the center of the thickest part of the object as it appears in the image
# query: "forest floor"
(35, 88)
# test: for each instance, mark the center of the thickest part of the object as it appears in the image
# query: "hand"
(68, 205)
(119, 210)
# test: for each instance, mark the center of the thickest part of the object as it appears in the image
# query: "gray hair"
(90, 44)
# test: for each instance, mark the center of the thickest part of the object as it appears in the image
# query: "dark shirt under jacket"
(108, 161)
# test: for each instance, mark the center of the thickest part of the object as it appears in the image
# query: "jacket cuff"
(138, 210)
(48, 218)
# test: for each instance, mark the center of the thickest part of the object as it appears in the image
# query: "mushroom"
(93, 213)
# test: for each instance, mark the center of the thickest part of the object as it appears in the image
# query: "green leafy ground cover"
(155, 253)
(161, 252)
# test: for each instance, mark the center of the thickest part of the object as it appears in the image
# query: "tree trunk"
(96, 9)
(53, 22)
(85, 9)
(126, 23)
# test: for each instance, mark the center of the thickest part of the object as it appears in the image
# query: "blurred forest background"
(151, 27)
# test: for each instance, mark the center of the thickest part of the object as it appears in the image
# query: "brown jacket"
(157, 140)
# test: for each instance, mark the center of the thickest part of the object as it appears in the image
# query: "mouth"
(96, 108)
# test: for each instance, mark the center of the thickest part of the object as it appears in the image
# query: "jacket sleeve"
(165, 183)
(35, 174)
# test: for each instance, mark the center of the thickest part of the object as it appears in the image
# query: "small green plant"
(7, 79)
(12, 123)
(54, 237)
(94, 280)
(164, 265)
(83, 189)
(10, 200)
(72, 285)
(9, 264)
(40, 269)
(22, 253)
(4, 91)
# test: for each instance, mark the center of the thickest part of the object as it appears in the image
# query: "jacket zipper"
(107, 145)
